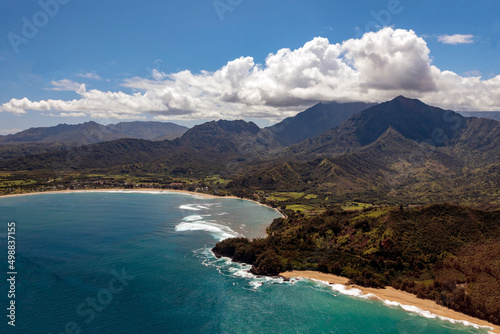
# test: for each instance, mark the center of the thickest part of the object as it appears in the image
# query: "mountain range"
(400, 150)
(63, 136)
(92, 132)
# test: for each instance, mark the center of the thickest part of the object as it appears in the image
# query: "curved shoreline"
(392, 297)
(389, 296)
(144, 190)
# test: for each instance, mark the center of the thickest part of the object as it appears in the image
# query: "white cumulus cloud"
(374, 68)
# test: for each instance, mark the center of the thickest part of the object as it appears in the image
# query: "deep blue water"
(140, 263)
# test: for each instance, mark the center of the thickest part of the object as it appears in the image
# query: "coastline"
(116, 189)
(145, 190)
(391, 296)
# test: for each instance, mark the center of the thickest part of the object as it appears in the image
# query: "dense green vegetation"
(355, 189)
(441, 252)
(40, 181)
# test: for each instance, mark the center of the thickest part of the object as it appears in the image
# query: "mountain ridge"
(314, 121)
(412, 118)
(92, 132)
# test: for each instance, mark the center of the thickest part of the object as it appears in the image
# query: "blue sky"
(132, 58)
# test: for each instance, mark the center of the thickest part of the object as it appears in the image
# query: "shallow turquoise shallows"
(116, 262)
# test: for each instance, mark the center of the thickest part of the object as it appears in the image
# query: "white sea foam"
(192, 218)
(341, 288)
(192, 207)
(243, 271)
(256, 284)
(219, 232)
(429, 315)
(354, 292)
(227, 267)
(198, 207)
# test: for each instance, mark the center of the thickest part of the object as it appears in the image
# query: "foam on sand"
(427, 314)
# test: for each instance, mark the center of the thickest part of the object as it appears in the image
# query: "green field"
(16, 183)
(356, 206)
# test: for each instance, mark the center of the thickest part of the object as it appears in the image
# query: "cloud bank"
(375, 68)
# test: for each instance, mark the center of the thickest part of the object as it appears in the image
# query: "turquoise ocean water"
(116, 262)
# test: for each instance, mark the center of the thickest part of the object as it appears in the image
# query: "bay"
(127, 262)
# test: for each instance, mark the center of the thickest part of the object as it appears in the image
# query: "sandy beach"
(139, 190)
(393, 295)
(118, 189)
